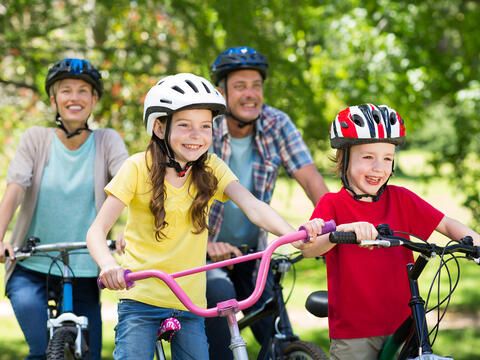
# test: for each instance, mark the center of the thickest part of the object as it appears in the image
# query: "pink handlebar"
(301, 234)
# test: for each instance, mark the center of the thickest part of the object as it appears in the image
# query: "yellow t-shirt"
(180, 249)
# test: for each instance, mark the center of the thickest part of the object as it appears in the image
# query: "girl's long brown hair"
(203, 180)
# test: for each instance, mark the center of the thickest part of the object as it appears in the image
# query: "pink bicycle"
(228, 308)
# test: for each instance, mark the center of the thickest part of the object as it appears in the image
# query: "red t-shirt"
(368, 290)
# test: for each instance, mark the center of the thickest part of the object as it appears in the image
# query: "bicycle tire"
(303, 350)
(62, 345)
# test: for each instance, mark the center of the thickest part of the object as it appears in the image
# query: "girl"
(168, 190)
(368, 290)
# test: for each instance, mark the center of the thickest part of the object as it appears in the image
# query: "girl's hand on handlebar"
(113, 277)
(314, 228)
(363, 230)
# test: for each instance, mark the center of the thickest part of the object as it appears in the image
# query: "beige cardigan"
(31, 157)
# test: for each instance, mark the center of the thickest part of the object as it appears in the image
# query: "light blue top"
(236, 228)
(66, 206)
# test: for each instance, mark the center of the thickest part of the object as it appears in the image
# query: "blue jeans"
(27, 292)
(238, 283)
(136, 332)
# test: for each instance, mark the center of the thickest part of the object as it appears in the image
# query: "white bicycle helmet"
(367, 123)
(177, 92)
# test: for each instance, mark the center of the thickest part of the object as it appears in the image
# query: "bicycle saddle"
(317, 303)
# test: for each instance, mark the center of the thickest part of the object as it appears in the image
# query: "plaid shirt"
(278, 143)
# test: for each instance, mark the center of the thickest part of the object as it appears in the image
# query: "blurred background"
(421, 58)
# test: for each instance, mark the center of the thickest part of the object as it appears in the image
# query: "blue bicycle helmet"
(236, 58)
(70, 68)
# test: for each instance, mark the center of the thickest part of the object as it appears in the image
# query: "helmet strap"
(346, 184)
(172, 163)
(168, 151)
(58, 121)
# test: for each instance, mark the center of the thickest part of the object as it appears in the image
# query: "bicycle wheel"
(62, 345)
(302, 350)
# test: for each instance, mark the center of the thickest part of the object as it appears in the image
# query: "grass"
(292, 203)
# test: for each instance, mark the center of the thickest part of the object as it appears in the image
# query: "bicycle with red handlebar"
(226, 309)
(412, 339)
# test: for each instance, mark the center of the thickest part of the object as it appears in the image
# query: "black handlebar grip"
(340, 237)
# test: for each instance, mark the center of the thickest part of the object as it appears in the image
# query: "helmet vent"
(192, 85)
(344, 124)
(206, 87)
(393, 118)
(358, 120)
(166, 101)
(178, 89)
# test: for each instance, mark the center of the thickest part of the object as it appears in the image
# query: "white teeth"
(193, 147)
(373, 178)
(74, 107)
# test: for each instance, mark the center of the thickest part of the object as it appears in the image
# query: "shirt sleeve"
(293, 150)
(223, 174)
(425, 217)
(116, 151)
(124, 184)
(324, 210)
(20, 170)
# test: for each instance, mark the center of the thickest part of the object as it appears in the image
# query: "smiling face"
(245, 94)
(190, 134)
(369, 167)
(74, 100)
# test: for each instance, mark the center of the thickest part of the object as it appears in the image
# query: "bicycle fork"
(417, 305)
(67, 317)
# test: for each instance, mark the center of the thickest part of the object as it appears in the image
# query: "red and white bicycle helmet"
(177, 92)
(367, 123)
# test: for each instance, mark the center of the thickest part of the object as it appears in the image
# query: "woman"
(57, 178)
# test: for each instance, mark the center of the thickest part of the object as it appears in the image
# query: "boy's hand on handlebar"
(6, 247)
(363, 230)
(113, 277)
(218, 251)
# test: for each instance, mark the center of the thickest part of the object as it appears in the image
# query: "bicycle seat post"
(228, 310)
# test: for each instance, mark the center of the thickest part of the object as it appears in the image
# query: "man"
(255, 140)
